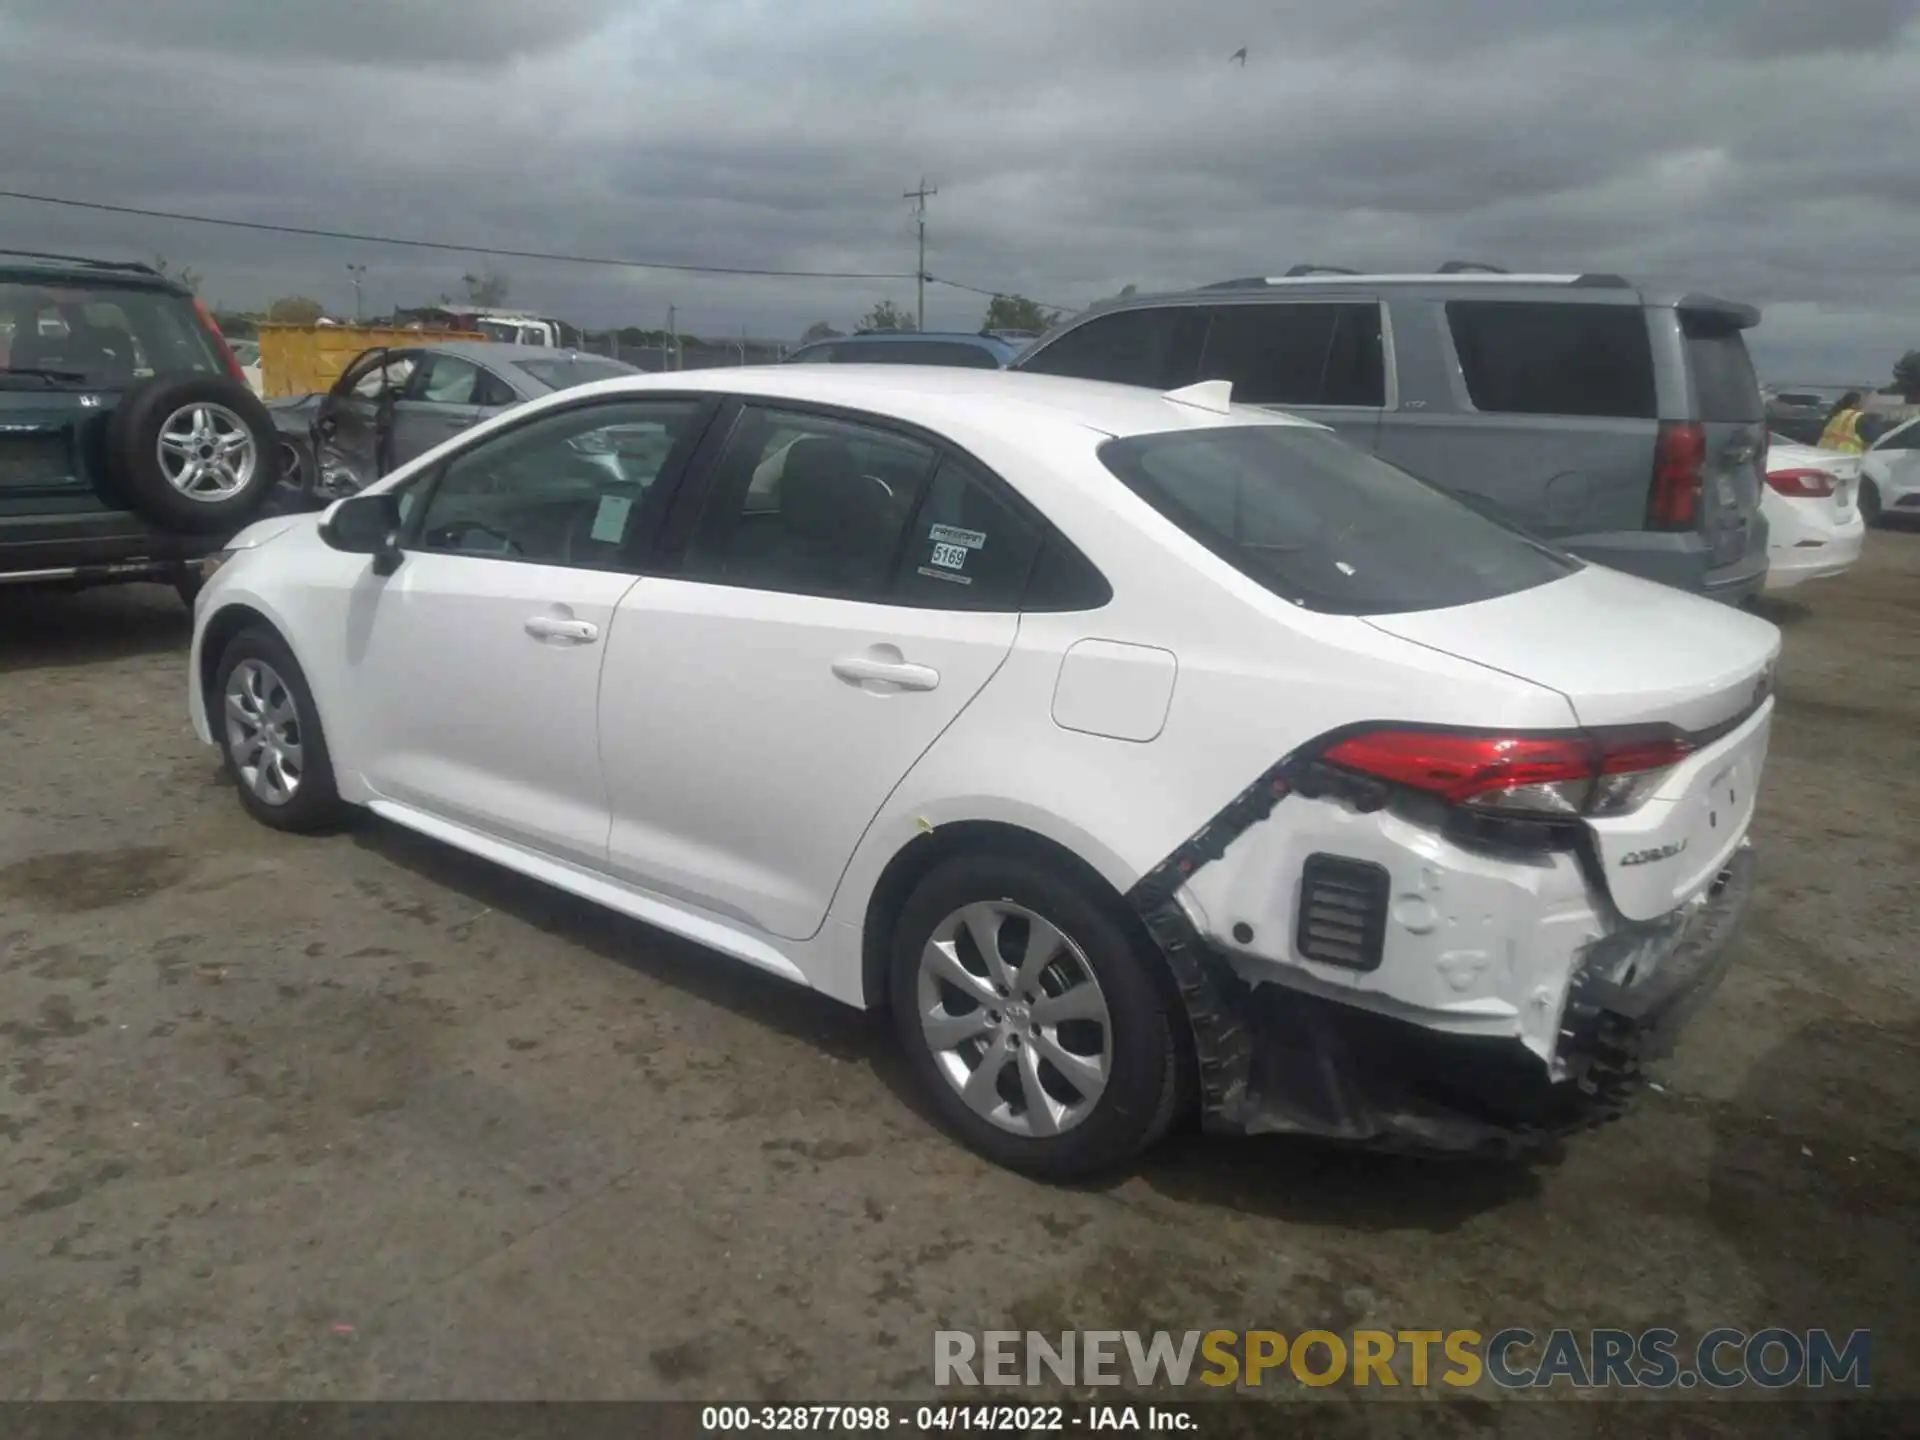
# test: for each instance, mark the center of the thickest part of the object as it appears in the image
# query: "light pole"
(359, 273)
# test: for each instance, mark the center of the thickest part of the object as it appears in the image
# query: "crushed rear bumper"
(1277, 1059)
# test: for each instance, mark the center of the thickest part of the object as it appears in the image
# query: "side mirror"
(366, 525)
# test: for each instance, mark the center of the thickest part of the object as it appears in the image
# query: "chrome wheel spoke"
(983, 924)
(1084, 1072)
(943, 959)
(982, 1090)
(1043, 944)
(1081, 1002)
(946, 1031)
(1043, 1112)
(263, 730)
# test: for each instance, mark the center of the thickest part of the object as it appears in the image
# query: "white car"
(1814, 526)
(1139, 751)
(1890, 474)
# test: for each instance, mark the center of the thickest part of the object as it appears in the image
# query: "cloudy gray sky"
(1768, 150)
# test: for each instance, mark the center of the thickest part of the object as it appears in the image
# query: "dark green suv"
(130, 444)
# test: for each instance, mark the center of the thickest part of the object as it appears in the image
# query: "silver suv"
(1619, 423)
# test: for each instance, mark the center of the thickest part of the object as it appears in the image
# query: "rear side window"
(967, 549)
(1158, 347)
(1325, 525)
(1543, 358)
(915, 352)
(1325, 354)
(1724, 387)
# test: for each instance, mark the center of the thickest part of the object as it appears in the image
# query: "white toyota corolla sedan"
(1141, 753)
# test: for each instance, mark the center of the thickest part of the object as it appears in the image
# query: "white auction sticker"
(954, 535)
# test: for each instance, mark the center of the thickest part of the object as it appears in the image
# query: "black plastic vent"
(1343, 911)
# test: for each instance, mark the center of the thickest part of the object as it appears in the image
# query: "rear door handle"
(548, 627)
(902, 674)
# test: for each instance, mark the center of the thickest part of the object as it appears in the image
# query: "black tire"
(139, 478)
(1869, 502)
(315, 802)
(1143, 1090)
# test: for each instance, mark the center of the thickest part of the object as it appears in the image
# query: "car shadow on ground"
(1781, 611)
(1283, 1177)
(43, 627)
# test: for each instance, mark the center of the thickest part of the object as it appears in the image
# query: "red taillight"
(1802, 484)
(234, 368)
(1679, 455)
(1542, 775)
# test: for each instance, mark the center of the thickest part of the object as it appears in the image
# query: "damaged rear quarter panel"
(1476, 943)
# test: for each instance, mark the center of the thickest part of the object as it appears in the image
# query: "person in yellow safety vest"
(1843, 426)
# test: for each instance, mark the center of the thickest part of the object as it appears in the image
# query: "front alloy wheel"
(263, 732)
(261, 710)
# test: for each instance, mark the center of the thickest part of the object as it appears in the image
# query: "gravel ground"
(360, 1117)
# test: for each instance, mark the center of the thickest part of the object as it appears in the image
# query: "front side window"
(808, 504)
(447, 380)
(384, 374)
(574, 370)
(566, 490)
(1324, 525)
(1522, 357)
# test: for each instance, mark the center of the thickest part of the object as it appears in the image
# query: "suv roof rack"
(1469, 267)
(1603, 280)
(1245, 282)
(133, 266)
(1296, 271)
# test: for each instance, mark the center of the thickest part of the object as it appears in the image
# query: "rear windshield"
(1724, 387)
(1327, 526)
(565, 374)
(105, 337)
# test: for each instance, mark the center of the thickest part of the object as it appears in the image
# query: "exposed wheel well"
(914, 862)
(226, 623)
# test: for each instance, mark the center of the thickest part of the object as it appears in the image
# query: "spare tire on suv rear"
(195, 453)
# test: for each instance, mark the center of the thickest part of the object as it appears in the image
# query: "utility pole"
(671, 360)
(919, 197)
(359, 273)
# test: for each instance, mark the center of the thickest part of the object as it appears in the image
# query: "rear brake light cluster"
(1604, 772)
(1679, 456)
(227, 357)
(1802, 484)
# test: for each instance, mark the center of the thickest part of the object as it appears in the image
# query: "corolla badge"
(1647, 857)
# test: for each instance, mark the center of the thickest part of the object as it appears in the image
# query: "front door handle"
(575, 632)
(901, 674)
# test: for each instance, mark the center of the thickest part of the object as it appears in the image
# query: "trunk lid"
(1626, 652)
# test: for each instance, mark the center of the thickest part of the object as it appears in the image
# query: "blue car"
(911, 347)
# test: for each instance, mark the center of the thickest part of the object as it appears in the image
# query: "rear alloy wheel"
(263, 716)
(1033, 1018)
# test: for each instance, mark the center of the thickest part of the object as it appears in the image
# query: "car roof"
(998, 344)
(939, 395)
(38, 267)
(489, 352)
(1255, 290)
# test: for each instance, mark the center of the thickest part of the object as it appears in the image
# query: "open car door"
(353, 428)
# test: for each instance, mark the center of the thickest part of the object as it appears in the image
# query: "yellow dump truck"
(307, 359)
